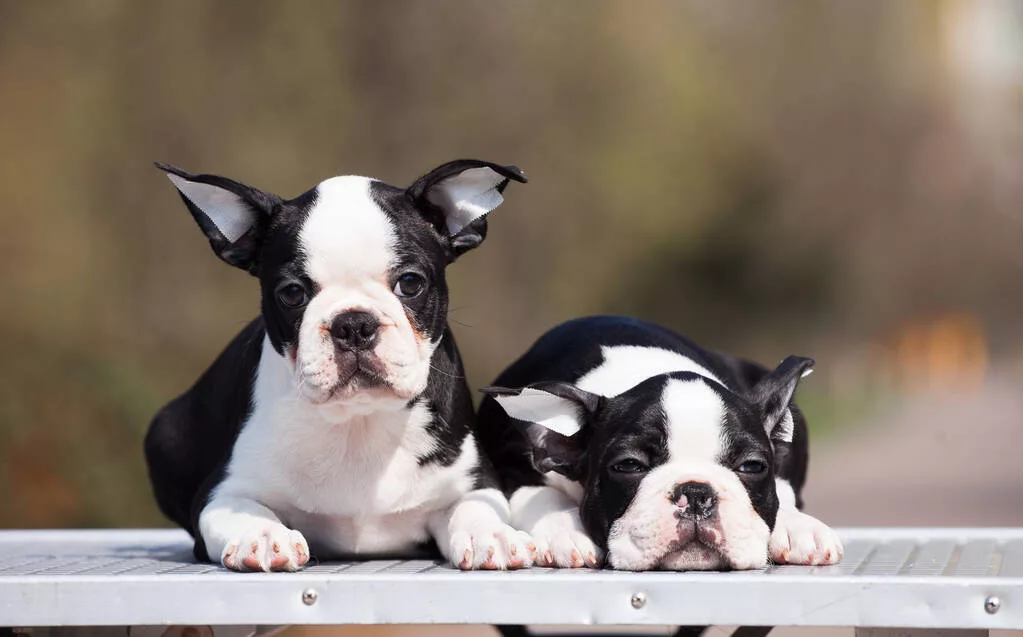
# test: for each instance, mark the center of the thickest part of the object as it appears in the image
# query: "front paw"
(266, 548)
(566, 548)
(497, 547)
(802, 539)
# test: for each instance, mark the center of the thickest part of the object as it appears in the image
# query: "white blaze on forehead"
(695, 418)
(625, 366)
(346, 237)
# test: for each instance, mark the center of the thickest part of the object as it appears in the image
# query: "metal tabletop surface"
(951, 578)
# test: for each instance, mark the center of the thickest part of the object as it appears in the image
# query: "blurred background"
(840, 179)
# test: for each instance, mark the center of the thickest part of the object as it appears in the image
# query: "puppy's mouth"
(350, 376)
(699, 546)
(358, 371)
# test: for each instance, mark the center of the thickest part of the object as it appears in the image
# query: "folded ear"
(773, 394)
(233, 216)
(456, 197)
(554, 416)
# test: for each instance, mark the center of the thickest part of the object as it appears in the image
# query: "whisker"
(451, 320)
(441, 371)
(455, 321)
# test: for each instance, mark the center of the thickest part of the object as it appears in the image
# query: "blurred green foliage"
(769, 178)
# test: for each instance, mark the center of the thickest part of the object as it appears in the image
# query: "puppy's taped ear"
(457, 196)
(553, 416)
(233, 216)
(773, 394)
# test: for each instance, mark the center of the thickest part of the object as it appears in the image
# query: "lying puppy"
(616, 435)
(339, 421)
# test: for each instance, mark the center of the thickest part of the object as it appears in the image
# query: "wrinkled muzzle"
(346, 353)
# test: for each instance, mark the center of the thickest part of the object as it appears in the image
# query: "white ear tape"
(467, 196)
(226, 210)
(553, 412)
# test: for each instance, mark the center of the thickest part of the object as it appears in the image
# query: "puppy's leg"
(475, 534)
(552, 519)
(799, 538)
(249, 537)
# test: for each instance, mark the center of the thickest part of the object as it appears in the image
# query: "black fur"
(190, 439)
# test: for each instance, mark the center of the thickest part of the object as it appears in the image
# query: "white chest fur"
(349, 478)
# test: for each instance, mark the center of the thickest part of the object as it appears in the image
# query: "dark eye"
(629, 465)
(409, 285)
(292, 295)
(752, 467)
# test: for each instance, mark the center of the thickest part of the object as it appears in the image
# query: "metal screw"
(309, 597)
(638, 600)
(992, 604)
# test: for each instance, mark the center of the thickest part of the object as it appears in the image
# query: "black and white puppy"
(618, 436)
(339, 421)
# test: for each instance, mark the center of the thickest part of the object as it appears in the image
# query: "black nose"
(354, 330)
(695, 500)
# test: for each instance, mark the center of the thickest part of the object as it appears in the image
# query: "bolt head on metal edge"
(638, 600)
(309, 596)
(992, 604)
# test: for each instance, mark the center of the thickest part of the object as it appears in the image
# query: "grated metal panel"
(889, 577)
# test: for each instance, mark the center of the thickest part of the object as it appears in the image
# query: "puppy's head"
(677, 472)
(352, 272)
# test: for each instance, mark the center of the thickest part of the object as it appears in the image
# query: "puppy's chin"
(361, 403)
(361, 389)
(695, 556)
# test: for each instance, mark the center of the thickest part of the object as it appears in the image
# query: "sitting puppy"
(613, 434)
(339, 421)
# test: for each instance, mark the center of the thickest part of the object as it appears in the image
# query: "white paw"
(799, 538)
(268, 547)
(561, 541)
(566, 549)
(497, 547)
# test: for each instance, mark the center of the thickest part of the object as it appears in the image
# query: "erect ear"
(457, 196)
(773, 394)
(554, 416)
(233, 216)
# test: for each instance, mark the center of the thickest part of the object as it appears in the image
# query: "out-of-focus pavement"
(936, 459)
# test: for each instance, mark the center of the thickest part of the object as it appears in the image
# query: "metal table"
(911, 578)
